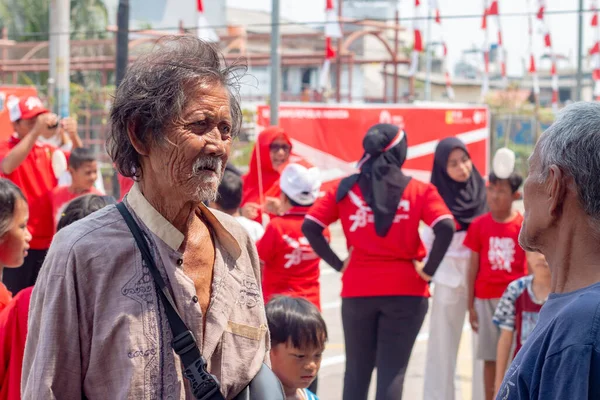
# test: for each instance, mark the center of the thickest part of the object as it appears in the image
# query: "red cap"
(26, 108)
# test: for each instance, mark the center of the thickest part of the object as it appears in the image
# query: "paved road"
(332, 367)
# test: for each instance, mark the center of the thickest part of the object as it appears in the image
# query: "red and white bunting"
(595, 51)
(485, 81)
(494, 11)
(435, 7)
(332, 31)
(204, 31)
(418, 39)
(548, 45)
(532, 64)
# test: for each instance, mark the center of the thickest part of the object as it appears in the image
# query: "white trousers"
(446, 325)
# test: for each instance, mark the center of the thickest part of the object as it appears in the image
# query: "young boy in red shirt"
(290, 266)
(496, 260)
(84, 171)
(518, 310)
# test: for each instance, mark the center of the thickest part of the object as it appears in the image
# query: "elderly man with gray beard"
(561, 357)
(99, 323)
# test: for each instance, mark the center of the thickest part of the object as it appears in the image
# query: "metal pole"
(396, 49)
(338, 66)
(122, 40)
(52, 54)
(275, 63)
(579, 50)
(63, 56)
(121, 64)
(428, 55)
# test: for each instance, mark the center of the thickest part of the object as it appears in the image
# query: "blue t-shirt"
(561, 358)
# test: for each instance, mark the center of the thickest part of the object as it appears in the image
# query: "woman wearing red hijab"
(270, 155)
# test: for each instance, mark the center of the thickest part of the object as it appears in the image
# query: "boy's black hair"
(514, 180)
(295, 319)
(83, 206)
(9, 194)
(80, 156)
(230, 191)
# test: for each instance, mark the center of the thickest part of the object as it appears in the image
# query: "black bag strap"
(204, 385)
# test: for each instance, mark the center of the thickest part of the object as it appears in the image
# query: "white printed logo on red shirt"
(301, 251)
(364, 215)
(501, 253)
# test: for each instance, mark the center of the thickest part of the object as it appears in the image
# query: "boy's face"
(85, 176)
(500, 196)
(296, 368)
(537, 263)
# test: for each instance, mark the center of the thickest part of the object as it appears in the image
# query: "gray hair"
(572, 143)
(152, 94)
(9, 194)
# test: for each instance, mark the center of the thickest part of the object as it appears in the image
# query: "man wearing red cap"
(28, 163)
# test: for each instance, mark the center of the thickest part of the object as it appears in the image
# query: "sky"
(464, 33)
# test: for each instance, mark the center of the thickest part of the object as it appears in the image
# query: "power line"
(305, 23)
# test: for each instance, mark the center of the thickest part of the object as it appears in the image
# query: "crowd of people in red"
(468, 249)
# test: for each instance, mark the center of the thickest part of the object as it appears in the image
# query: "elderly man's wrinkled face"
(193, 159)
(536, 216)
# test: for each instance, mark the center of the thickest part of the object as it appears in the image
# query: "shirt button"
(195, 299)
(179, 261)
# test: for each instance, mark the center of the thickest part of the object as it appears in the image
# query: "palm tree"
(29, 20)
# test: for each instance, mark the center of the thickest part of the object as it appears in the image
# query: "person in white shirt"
(229, 200)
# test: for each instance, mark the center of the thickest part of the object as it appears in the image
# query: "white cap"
(503, 164)
(300, 184)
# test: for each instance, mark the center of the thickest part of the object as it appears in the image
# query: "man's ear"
(135, 142)
(556, 190)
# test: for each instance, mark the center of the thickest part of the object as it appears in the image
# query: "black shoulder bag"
(265, 386)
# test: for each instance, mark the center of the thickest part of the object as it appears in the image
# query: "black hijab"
(466, 200)
(381, 180)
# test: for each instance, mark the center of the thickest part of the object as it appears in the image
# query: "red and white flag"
(595, 51)
(532, 68)
(332, 31)
(548, 45)
(485, 81)
(435, 8)
(418, 38)
(204, 31)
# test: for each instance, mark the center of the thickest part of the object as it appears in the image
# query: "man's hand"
(250, 210)
(69, 124)
(474, 319)
(273, 205)
(44, 125)
(419, 265)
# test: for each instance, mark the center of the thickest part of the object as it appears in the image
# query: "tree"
(29, 20)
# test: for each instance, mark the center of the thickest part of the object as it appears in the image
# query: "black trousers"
(379, 332)
(25, 276)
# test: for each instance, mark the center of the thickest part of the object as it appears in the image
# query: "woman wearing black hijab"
(384, 287)
(464, 192)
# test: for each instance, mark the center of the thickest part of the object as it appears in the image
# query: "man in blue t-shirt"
(561, 358)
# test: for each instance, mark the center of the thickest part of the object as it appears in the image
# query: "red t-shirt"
(291, 267)
(13, 332)
(383, 266)
(61, 196)
(501, 259)
(5, 296)
(36, 179)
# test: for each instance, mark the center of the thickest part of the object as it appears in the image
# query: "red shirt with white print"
(291, 267)
(35, 177)
(383, 266)
(501, 259)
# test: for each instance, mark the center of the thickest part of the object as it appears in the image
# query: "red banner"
(330, 137)
(6, 92)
